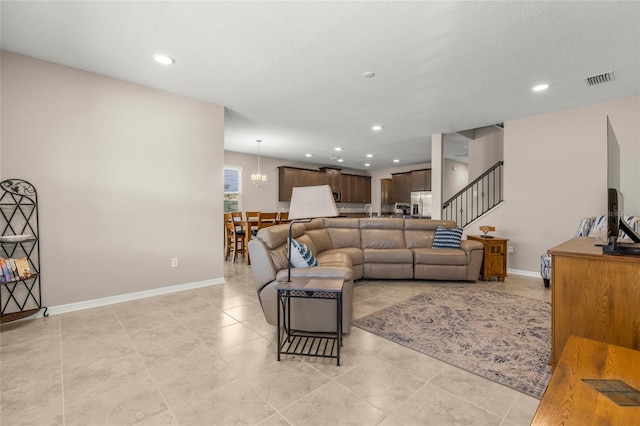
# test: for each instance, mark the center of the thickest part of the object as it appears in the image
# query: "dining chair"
(236, 239)
(267, 219)
(283, 217)
(252, 221)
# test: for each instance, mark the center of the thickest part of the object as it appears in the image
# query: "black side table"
(297, 342)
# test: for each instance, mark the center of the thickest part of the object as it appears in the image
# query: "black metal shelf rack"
(21, 297)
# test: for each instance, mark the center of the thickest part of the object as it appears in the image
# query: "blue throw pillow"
(301, 256)
(447, 238)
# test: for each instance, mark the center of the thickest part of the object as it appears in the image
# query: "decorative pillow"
(632, 221)
(585, 226)
(599, 228)
(301, 256)
(447, 238)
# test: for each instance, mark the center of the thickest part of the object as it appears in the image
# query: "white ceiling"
(290, 73)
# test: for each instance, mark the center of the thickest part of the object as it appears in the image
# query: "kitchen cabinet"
(333, 178)
(402, 185)
(288, 178)
(386, 186)
(354, 188)
(316, 178)
(421, 180)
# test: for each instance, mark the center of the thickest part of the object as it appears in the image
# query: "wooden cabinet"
(386, 186)
(288, 178)
(593, 295)
(354, 188)
(407, 183)
(316, 178)
(571, 400)
(494, 263)
(421, 180)
(402, 185)
(333, 178)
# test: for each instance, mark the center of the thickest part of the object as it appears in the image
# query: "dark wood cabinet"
(421, 180)
(402, 185)
(354, 188)
(397, 188)
(408, 187)
(316, 178)
(333, 178)
(386, 186)
(288, 178)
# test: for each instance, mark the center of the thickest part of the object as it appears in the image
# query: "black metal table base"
(305, 343)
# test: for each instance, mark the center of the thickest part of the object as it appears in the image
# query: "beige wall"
(485, 150)
(128, 177)
(455, 178)
(555, 174)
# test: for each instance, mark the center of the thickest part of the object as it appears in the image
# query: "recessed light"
(340, 160)
(540, 87)
(396, 161)
(163, 59)
(369, 155)
(376, 128)
(367, 164)
(308, 155)
(369, 74)
(337, 148)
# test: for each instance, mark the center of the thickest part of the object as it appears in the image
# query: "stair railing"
(477, 198)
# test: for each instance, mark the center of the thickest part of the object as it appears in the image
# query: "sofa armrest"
(470, 245)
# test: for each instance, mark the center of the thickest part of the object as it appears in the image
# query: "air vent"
(599, 79)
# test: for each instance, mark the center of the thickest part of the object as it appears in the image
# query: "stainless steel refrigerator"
(421, 204)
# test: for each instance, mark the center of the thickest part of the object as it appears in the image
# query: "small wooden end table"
(494, 264)
(297, 342)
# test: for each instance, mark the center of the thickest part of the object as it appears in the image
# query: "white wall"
(127, 176)
(555, 169)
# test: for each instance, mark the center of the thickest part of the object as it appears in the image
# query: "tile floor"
(206, 356)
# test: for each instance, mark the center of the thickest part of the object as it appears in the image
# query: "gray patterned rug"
(502, 337)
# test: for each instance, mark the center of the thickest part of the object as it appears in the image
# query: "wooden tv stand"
(593, 295)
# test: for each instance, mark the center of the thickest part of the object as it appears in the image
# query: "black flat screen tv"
(616, 223)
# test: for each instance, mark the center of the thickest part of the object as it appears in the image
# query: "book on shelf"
(23, 268)
(14, 269)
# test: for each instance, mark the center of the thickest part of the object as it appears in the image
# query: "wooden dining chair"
(283, 217)
(252, 220)
(267, 219)
(235, 236)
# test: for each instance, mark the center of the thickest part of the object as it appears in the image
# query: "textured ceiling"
(290, 73)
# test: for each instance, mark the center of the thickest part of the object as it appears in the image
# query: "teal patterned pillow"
(301, 256)
(447, 238)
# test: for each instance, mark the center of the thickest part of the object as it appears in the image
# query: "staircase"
(476, 199)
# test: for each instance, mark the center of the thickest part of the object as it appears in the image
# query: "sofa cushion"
(387, 256)
(420, 233)
(301, 255)
(357, 258)
(447, 238)
(431, 256)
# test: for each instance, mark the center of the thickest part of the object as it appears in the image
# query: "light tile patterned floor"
(207, 356)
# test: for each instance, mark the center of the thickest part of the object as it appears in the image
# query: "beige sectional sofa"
(351, 249)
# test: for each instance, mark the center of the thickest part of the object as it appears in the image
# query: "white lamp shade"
(312, 201)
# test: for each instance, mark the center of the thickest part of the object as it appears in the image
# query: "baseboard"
(87, 304)
(525, 273)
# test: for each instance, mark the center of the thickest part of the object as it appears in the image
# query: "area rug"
(502, 337)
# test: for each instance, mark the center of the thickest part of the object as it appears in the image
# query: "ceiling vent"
(599, 79)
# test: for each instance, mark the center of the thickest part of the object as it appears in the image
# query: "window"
(232, 189)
